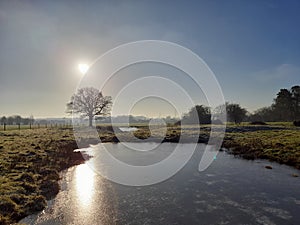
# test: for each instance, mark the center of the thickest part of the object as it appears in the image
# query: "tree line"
(16, 120)
(90, 102)
(285, 107)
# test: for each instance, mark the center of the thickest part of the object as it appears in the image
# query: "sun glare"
(84, 184)
(83, 68)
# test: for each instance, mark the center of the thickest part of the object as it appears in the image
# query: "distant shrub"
(217, 121)
(178, 123)
(258, 123)
(296, 123)
(108, 128)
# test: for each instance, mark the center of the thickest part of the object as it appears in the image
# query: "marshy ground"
(30, 160)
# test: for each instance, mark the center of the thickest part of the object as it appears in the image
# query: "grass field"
(282, 146)
(29, 164)
(30, 159)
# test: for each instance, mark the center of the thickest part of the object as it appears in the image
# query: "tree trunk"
(90, 121)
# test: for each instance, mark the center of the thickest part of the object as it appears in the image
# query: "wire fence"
(7, 127)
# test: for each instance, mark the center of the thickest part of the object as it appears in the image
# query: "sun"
(83, 68)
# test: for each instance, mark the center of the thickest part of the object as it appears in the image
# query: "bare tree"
(219, 113)
(31, 119)
(17, 119)
(3, 120)
(263, 115)
(89, 102)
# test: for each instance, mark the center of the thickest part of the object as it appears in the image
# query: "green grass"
(282, 146)
(29, 164)
(280, 143)
(281, 124)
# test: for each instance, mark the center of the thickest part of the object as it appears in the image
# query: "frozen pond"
(230, 191)
(128, 129)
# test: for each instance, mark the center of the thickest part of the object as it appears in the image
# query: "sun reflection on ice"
(85, 184)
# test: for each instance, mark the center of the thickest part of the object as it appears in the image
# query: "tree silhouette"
(286, 107)
(235, 112)
(3, 120)
(198, 114)
(263, 114)
(283, 105)
(295, 91)
(89, 102)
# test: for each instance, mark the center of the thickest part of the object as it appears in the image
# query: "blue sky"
(252, 47)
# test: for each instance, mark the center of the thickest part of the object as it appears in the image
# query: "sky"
(252, 47)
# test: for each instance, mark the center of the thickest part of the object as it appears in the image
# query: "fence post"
(19, 126)
(4, 126)
(30, 126)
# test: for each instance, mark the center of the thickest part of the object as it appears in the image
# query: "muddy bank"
(30, 165)
(275, 143)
